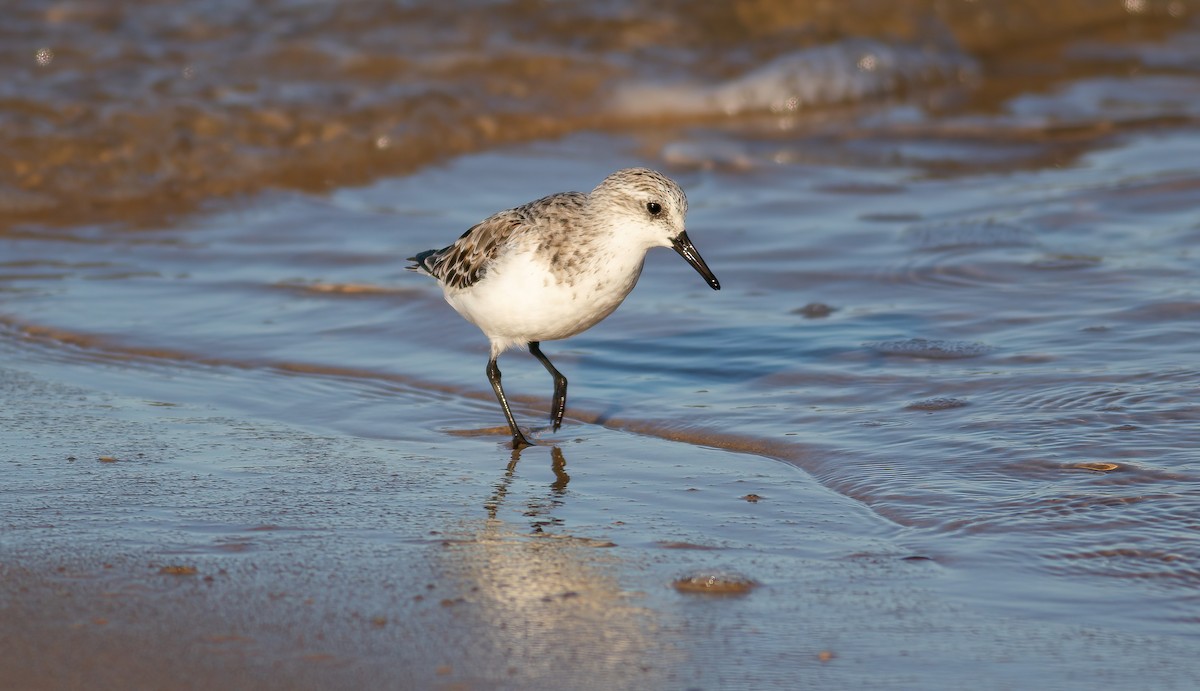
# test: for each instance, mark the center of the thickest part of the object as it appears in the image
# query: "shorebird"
(554, 267)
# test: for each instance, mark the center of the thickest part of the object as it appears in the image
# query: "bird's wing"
(466, 262)
(462, 264)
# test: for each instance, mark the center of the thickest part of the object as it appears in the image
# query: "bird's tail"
(421, 262)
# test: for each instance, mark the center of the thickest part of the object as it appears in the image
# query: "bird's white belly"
(521, 301)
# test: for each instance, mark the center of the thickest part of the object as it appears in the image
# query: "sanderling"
(557, 266)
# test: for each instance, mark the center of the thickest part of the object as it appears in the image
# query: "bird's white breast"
(523, 298)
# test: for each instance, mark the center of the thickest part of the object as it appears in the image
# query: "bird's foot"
(557, 411)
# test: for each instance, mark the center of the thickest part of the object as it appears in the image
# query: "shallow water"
(959, 307)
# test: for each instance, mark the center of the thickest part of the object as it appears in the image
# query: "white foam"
(843, 72)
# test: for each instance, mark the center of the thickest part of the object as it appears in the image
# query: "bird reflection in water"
(538, 508)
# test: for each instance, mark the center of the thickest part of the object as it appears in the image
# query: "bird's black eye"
(654, 208)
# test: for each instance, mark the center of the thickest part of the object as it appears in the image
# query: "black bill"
(684, 247)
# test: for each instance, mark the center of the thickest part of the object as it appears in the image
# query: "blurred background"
(129, 111)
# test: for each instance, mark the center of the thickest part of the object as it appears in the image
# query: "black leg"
(560, 385)
(493, 374)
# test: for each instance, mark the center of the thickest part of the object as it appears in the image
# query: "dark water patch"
(860, 188)
(814, 310)
(685, 545)
(1066, 262)
(935, 349)
(938, 403)
(986, 232)
(885, 217)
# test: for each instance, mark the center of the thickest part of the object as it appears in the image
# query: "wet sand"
(144, 555)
